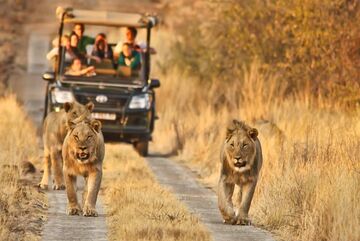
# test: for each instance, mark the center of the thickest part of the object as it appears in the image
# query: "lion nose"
(83, 148)
(237, 158)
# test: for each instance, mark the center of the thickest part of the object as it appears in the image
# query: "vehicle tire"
(47, 107)
(152, 121)
(142, 147)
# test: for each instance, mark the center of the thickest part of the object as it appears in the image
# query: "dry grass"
(20, 203)
(309, 186)
(137, 207)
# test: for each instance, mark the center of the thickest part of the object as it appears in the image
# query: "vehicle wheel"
(142, 147)
(152, 121)
(47, 107)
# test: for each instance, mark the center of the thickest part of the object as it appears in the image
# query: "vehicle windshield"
(102, 54)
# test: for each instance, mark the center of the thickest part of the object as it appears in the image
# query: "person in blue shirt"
(129, 57)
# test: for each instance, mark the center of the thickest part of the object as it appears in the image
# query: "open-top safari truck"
(124, 100)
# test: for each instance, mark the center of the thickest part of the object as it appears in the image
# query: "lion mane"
(83, 153)
(241, 161)
(55, 128)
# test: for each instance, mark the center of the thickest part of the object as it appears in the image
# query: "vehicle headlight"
(62, 96)
(140, 102)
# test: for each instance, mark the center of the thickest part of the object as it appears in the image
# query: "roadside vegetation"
(21, 204)
(138, 208)
(12, 15)
(290, 69)
(312, 44)
(309, 183)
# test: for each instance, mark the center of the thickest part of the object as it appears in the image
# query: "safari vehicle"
(124, 102)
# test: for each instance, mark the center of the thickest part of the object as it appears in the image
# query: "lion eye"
(74, 114)
(76, 137)
(88, 137)
(245, 145)
(232, 145)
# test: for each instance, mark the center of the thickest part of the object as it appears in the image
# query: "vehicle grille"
(114, 101)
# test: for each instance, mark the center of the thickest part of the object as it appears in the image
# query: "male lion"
(241, 160)
(54, 132)
(83, 153)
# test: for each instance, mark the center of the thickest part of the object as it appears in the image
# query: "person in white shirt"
(130, 38)
(65, 42)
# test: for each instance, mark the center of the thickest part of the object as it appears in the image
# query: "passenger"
(74, 40)
(55, 50)
(129, 57)
(76, 69)
(84, 40)
(70, 54)
(130, 37)
(101, 48)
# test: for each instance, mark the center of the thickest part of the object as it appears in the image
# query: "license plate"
(104, 116)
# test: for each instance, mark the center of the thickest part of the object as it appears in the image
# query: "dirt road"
(60, 226)
(201, 201)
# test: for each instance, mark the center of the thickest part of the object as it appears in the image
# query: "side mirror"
(48, 76)
(154, 83)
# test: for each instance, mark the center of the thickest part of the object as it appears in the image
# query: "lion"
(54, 131)
(241, 161)
(83, 153)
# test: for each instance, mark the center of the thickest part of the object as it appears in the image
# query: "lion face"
(240, 147)
(83, 141)
(76, 112)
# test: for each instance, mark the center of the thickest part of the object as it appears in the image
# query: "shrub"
(302, 41)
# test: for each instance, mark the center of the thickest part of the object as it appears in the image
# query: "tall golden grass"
(137, 207)
(309, 186)
(20, 215)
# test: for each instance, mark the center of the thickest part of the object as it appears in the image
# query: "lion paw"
(243, 221)
(89, 211)
(58, 187)
(231, 221)
(73, 210)
(43, 186)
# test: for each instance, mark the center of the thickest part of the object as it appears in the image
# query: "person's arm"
(143, 48)
(81, 72)
(135, 63)
(117, 51)
(73, 73)
(94, 57)
(87, 70)
(54, 52)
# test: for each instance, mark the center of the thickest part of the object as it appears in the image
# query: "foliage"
(309, 185)
(21, 205)
(315, 41)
